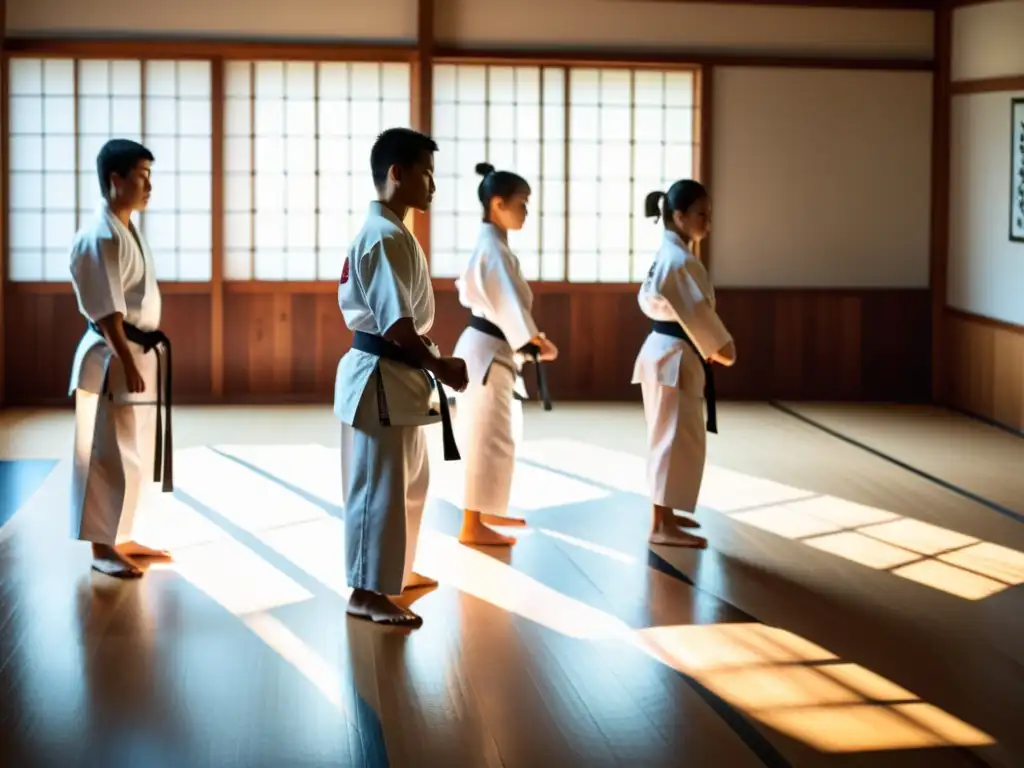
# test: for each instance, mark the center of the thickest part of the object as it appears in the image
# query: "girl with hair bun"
(674, 364)
(501, 333)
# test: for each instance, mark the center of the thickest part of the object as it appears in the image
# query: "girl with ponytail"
(500, 336)
(674, 365)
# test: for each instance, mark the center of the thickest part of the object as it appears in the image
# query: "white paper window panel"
(41, 168)
(178, 129)
(54, 187)
(296, 161)
(513, 118)
(630, 132)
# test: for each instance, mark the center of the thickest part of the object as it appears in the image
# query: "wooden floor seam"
(935, 479)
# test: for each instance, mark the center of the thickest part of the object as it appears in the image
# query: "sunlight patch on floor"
(781, 679)
(804, 691)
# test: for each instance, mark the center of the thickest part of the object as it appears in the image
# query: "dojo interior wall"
(985, 277)
(825, 286)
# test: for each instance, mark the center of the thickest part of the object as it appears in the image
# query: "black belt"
(675, 330)
(530, 351)
(381, 347)
(163, 460)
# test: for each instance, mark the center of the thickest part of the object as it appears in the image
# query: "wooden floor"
(850, 611)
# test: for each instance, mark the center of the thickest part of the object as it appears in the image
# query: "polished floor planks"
(582, 647)
(978, 457)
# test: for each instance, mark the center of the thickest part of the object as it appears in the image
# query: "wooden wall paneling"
(939, 235)
(703, 129)
(748, 315)
(1008, 378)
(987, 85)
(896, 343)
(634, 58)
(282, 346)
(4, 134)
(250, 334)
(217, 230)
(42, 331)
(909, 5)
(422, 101)
(207, 49)
(43, 328)
(817, 345)
(186, 320)
(332, 341)
(236, 345)
(827, 344)
(987, 374)
(305, 344)
(603, 337)
(553, 313)
(787, 342)
(837, 323)
(282, 343)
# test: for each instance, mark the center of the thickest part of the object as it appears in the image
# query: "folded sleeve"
(96, 276)
(385, 278)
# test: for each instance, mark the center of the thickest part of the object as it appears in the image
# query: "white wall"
(629, 23)
(690, 26)
(383, 20)
(986, 269)
(821, 178)
(988, 40)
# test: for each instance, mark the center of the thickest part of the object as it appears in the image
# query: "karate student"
(382, 390)
(490, 415)
(674, 364)
(120, 376)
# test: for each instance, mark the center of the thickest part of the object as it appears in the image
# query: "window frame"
(76, 53)
(218, 52)
(702, 80)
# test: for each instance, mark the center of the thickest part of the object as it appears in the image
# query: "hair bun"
(484, 168)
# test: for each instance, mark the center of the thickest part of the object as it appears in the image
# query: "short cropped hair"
(398, 146)
(119, 156)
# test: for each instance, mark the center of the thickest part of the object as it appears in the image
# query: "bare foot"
(686, 522)
(108, 561)
(134, 549)
(502, 520)
(670, 537)
(419, 581)
(479, 535)
(371, 606)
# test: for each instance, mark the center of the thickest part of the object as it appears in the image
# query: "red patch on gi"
(344, 272)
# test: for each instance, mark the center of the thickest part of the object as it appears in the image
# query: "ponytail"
(652, 205)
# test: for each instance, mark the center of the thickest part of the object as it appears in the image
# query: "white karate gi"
(115, 430)
(677, 289)
(490, 418)
(384, 466)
